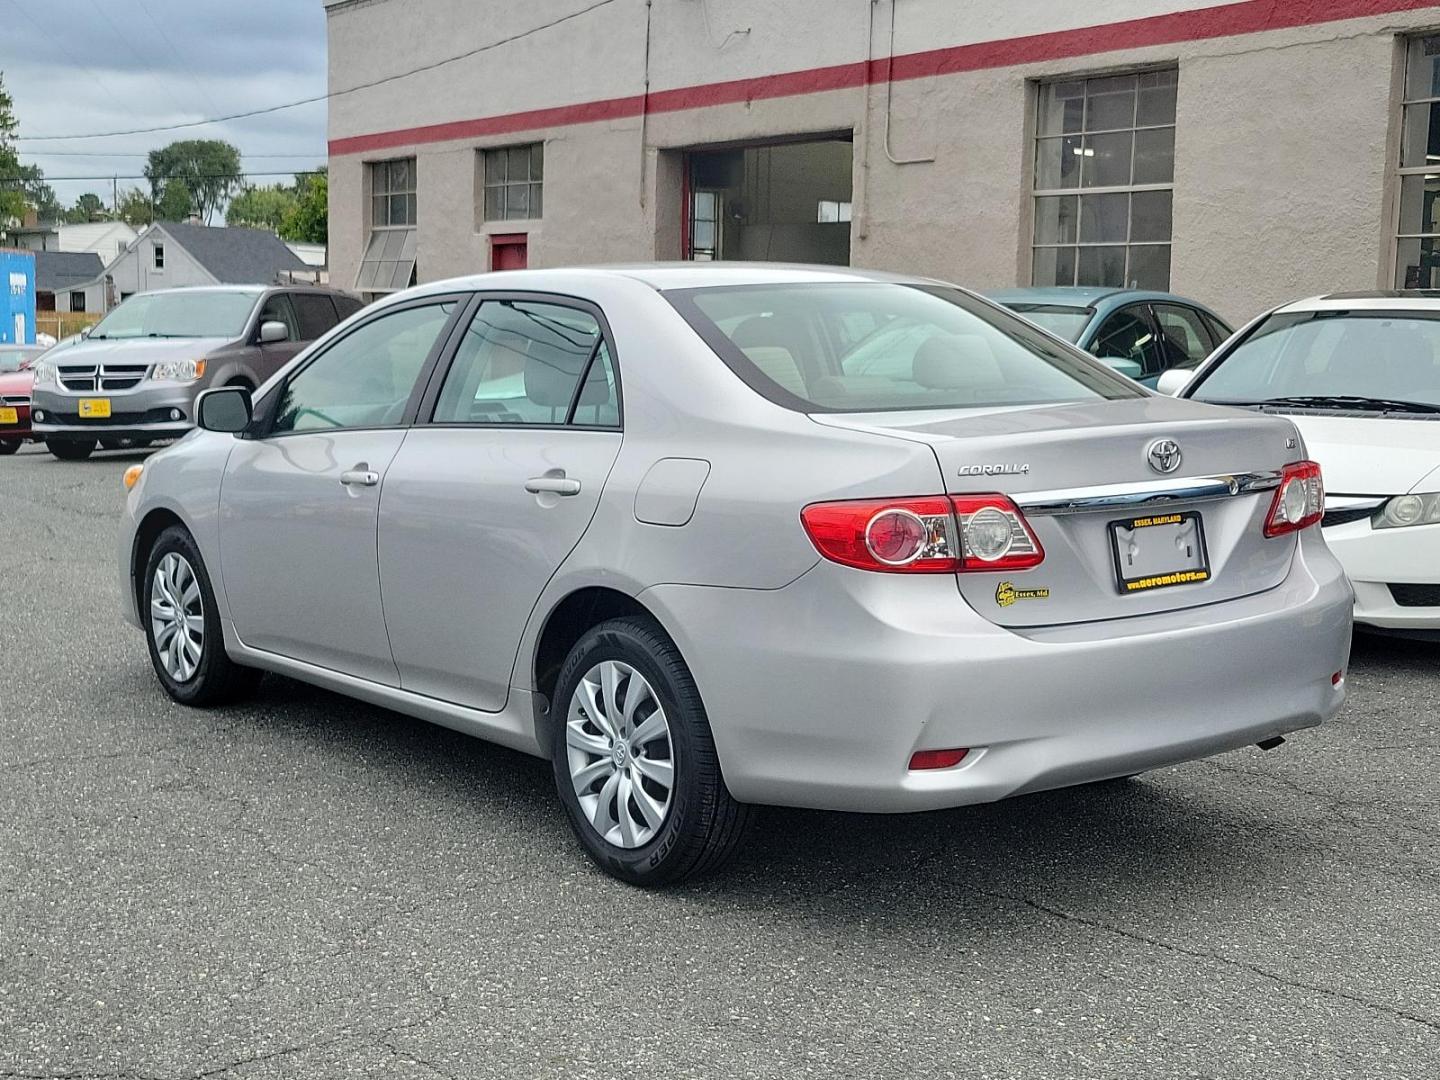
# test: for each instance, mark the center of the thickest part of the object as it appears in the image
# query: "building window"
(1417, 242)
(77, 300)
(705, 225)
(514, 182)
(1104, 180)
(158, 253)
(831, 211)
(389, 261)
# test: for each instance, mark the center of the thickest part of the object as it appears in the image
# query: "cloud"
(78, 66)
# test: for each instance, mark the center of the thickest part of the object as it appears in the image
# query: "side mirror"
(1173, 381)
(273, 331)
(1129, 368)
(226, 408)
(85, 332)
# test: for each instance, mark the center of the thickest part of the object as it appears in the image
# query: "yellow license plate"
(95, 408)
(9, 416)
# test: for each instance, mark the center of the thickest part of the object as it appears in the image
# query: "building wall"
(1285, 119)
(134, 271)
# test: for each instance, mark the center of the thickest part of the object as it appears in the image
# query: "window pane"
(380, 178)
(495, 166)
(1150, 215)
(380, 210)
(519, 363)
(535, 200)
(1156, 103)
(1055, 220)
(537, 161)
(1105, 219)
(1062, 107)
(1107, 159)
(599, 403)
(1417, 203)
(411, 207)
(519, 166)
(1101, 266)
(1420, 140)
(400, 175)
(1057, 163)
(397, 210)
(494, 204)
(1155, 156)
(1150, 267)
(517, 201)
(1418, 263)
(1110, 103)
(1422, 69)
(365, 379)
(704, 234)
(1054, 266)
(705, 205)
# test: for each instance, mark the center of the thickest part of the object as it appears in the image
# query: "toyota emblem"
(1164, 455)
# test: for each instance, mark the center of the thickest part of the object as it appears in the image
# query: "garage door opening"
(784, 202)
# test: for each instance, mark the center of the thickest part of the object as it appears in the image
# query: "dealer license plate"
(1159, 551)
(9, 416)
(95, 408)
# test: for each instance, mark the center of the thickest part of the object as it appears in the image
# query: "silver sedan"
(712, 536)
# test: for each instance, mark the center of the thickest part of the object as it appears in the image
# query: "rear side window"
(1187, 341)
(523, 362)
(929, 348)
(316, 314)
(346, 306)
(1127, 335)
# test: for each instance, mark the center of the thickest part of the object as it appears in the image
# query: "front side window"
(278, 309)
(388, 264)
(1417, 241)
(514, 182)
(524, 363)
(1104, 179)
(199, 313)
(366, 378)
(1333, 359)
(930, 348)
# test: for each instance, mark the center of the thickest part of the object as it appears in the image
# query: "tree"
(12, 195)
(88, 207)
(308, 221)
(135, 208)
(208, 169)
(176, 203)
(261, 207)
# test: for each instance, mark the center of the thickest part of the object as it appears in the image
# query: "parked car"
(1139, 334)
(135, 377)
(1359, 374)
(15, 382)
(652, 524)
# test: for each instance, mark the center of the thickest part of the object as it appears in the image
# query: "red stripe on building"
(1248, 17)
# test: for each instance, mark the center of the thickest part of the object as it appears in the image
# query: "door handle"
(359, 477)
(553, 485)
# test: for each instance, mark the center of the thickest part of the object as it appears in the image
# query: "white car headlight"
(1405, 510)
(45, 372)
(178, 370)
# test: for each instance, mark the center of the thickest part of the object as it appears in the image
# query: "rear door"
(493, 488)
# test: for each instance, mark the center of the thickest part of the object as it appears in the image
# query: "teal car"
(1140, 334)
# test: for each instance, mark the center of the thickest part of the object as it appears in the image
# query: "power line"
(146, 153)
(267, 110)
(184, 64)
(173, 176)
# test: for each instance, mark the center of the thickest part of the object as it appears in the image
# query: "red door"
(509, 252)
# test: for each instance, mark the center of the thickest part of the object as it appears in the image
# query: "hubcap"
(621, 760)
(177, 617)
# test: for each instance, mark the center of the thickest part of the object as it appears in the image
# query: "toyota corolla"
(660, 526)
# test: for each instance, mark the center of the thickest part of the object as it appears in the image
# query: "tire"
(701, 824)
(9, 446)
(192, 673)
(70, 449)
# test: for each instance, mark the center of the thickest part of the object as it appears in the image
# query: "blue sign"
(17, 308)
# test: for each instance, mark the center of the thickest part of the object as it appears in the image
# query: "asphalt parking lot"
(311, 887)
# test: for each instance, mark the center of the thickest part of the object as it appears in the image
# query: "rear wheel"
(182, 626)
(71, 449)
(9, 446)
(634, 760)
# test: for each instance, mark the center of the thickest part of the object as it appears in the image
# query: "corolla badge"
(1164, 455)
(994, 470)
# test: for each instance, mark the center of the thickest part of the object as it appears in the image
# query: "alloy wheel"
(620, 756)
(177, 617)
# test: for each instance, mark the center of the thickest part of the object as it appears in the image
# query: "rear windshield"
(1060, 319)
(879, 346)
(179, 313)
(1335, 354)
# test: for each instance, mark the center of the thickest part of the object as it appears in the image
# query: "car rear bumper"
(820, 692)
(1395, 572)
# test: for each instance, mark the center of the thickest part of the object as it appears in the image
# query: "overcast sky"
(79, 66)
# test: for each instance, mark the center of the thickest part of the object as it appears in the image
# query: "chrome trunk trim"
(1188, 489)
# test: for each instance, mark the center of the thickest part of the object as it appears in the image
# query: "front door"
(299, 505)
(273, 355)
(484, 503)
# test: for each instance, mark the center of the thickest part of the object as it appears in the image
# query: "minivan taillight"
(1299, 501)
(936, 535)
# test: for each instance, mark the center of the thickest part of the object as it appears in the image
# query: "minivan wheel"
(182, 626)
(71, 449)
(634, 761)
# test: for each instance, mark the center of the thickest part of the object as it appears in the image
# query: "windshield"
(14, 359)
(876, 346)
(1060, 319)
(179, 313)
(1334, 359)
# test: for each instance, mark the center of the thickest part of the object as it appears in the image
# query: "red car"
(15, 381)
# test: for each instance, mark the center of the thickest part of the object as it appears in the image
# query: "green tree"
(261, 207)
(308, 222)
(208, 169)
(39, 195)
(176, 202)
(135, 208)
(12, 194)
(88, 207)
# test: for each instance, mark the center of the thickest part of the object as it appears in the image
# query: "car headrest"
(955, 362)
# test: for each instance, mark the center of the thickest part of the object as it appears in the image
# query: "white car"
(1359, 374)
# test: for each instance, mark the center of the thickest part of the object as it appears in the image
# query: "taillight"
(938, 535)
(1299, 500)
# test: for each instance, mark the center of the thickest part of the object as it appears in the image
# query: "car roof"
(1374, 300)
(1083, 296)
(680, 275)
